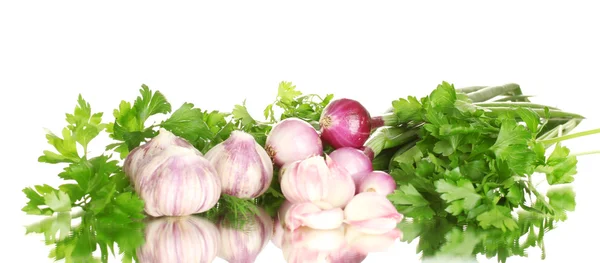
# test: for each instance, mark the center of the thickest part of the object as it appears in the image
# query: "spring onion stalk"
(388, 137)
(494, 91)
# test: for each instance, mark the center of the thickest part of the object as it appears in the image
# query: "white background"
(216, 55)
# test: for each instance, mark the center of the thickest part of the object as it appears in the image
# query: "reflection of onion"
(179, 239)
(244, 244)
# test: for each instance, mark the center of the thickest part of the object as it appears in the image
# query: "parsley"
(476, 164)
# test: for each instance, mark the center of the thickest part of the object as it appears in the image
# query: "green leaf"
(498, 217)
(129, 126)
(408, 109)
(562, 200)
(460, 243)
(463, 189)
(560, 166)
(515, 194)
(287, 92)
(520, 158)
(188, 122)
(407, 195)
(150, 104)
(50, 226)
(58, 201)
(531, 119)
(443, 97)
(444, 148)
(241, 113)
(66, 148)
(510, 134)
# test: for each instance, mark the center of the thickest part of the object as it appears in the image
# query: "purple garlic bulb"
(244, 167)
(172, 178)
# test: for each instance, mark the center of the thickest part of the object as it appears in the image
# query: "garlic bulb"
(179, 240)
(318, 180)
(244, 167)
(171, 178)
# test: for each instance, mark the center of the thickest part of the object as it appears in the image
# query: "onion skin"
(345, 123)
(291, 140)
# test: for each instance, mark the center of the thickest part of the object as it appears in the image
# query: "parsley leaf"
(463, 190)
(410, 202)
(560, 166)
(83, 127)
(129, 125)
(499, 217)
(188, 122)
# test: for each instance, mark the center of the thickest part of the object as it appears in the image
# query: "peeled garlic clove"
(371, 213)
(245, 244)
(317, 180)
(179, 239)
(244, 167)
(310, 215)
(177, 183)
(341, 185)
(379, 182)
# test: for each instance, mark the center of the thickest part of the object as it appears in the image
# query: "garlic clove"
(371, 213)
(377, 181)
(310, 215)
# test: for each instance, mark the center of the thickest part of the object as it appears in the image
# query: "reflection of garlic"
(372, 213)
(179, 240)
(310, 215)
(318, 180)
(311, 245)
(245, 243)
(172, 177)
(367, 243)
(245, 168)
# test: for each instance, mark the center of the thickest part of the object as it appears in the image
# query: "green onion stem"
(388, 137)
(570, 136)
(494, 91)
(495, 111)
(513, 104)
(586, 153)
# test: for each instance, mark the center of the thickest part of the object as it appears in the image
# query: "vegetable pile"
(471, 156)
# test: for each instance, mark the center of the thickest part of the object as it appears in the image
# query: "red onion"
(292, 140)
(345, 123)
(354, 161)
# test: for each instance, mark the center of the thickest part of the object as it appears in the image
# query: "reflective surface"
(231, 237)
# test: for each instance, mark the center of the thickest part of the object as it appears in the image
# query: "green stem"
(494, 91)
(570, 136)
(556, 127)
(586, 153)
(496, 111)
(471, 89)
(388, 137)
(513, 104)
(515, 98)
(387, 119)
